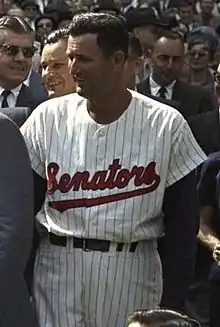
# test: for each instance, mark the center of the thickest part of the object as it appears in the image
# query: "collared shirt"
(12, 98)
(155, 88)
(27, 81)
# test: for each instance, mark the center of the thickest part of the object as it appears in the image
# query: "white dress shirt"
(12, 98)
(155, 88)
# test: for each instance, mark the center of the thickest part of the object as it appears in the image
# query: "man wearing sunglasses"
(16, 52)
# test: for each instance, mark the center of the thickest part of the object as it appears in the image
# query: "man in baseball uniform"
(114, 162)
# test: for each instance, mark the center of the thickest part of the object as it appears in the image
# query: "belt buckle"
(84, 245)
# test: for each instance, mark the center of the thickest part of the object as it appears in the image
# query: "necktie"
(5, 95)
(162, 92)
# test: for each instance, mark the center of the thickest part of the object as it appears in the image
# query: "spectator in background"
(54, 63)
(65, 18)
(199, 56)
(206, 16)
(145, 23)
(167, 59)
(16, 52)
(44, 24)
(134, 61)
(31, 10)
(16, 11)
(209, 234)
(187, 16)
(160, 318)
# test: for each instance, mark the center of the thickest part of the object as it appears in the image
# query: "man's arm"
(16, 208)
(178, 246)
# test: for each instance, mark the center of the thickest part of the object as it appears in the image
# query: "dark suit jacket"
(37, 88)
(16, 226)
(26, 98)
(192, 99)
(206, 129)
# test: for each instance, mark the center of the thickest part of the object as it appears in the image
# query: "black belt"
(89, 244)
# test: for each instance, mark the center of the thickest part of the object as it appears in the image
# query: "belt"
(89, 244)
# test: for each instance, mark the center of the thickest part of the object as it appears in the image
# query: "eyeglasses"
(216, 77)
(13, 50)
(47, 25)
(194, 54)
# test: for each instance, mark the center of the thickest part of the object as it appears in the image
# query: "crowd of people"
(109, 179)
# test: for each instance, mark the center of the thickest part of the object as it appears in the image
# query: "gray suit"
(16, 226)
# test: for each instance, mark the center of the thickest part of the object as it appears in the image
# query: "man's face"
(207, 6)
(94, 74)
(14, 65)
(55, 72)
(186, 14)
(31, 12)
(198, 57)
(167, 60)
(44, 27)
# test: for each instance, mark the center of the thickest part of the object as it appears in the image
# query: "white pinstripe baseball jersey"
(108, 181)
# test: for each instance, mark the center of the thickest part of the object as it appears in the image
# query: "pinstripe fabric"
(104, 182)
(77, 288)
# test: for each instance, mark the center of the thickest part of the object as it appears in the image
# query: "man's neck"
(159, 82)
(111, 108)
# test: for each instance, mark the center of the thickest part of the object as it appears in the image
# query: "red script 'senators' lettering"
(114, 177)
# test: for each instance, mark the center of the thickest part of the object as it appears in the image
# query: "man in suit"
(16, 52)
(167, 59)
(16, 226)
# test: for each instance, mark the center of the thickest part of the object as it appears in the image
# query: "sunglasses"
(216, 77)
(194, 54)
(47, 25)
(13, 50)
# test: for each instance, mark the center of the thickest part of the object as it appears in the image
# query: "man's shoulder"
(154, 105)
(60, 104)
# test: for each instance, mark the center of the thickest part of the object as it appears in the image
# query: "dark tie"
(162, 92)
(5, 95)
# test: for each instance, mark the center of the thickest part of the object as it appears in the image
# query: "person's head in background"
(207, 7)
(160, 318)
(44, 25)
(54, 65)
(64, 18)
(31, 9)
(167, 57)
(186, 12)
(145, 24)
(16, 51)
(16, 11)
(199, 56)
(134, 61)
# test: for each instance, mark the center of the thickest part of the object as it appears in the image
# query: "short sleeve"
(33, 132)
(207, 187)
(185, 153)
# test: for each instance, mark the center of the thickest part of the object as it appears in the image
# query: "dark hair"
(199, 40)
(57, 35)
(111, 31)
(15, 24)
(135, 49)
(164, 318)
(185, 3)
(45, 16)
